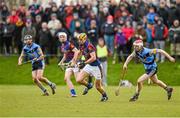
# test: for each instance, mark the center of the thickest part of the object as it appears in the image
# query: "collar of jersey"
(29, 46)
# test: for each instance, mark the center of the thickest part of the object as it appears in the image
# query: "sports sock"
(90, 79)
(166, 88)
(49, 83)
(104, 94)
(73, 92)
(89, 86)
(42, 88)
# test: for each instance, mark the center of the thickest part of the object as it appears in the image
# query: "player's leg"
(38, 83)
(45, 80)
(101, 90)
(67, 79)
(139, 86)
(98, 75)
(169, 90)
(81, 80)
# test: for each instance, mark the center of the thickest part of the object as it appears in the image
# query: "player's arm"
(92, 58)
(154, 51)
(63, 59)
(76, 55)
(130, 57)
(21, 58)
(41, 54)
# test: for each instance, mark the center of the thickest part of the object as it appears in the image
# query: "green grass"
(18, 96)
(26, 100)
(12, 74)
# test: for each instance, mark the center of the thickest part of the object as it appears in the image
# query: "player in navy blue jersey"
(70, 56)
(91, 66)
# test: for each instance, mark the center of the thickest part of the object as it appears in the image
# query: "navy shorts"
(37, 65)
(151, 72)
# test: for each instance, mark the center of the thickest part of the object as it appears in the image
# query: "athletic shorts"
(38, 65)
(75, 69)
(151, 72)
(95, 71)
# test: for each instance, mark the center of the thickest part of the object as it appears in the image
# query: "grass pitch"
(26, 100)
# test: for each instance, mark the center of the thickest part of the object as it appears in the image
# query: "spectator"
(76, 25)
(17, 35)
(159, 34)
(1, 37)
(34, 8)
(69, 16)
(29, 29)
(109, 29)
(21, 11)
(37, 25)
(8, 30)
(54, 10)
(149, 39)
(102, 18)
(163, 12)
(102, 54)
(120, 45)
(172, 13)
(89, 19)
(13, 17)
(53, 23)
(151, 15)
(140, 31)
(45, 39)
(128, 31)
(4, 13)
(93, 33)
(174, 36)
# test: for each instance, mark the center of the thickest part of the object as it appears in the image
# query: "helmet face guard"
(138, 45)
(62, 36)
(27, 37)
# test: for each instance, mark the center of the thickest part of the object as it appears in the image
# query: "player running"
(70, 56)
(91, 66)
(147, 57)
(35, 55)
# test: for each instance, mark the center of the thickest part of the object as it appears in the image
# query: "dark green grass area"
(26, 100)
(10, 73)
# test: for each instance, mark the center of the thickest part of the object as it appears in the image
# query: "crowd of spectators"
(117, 23)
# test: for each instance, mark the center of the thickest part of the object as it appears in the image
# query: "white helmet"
(62, 34)
(138, 43)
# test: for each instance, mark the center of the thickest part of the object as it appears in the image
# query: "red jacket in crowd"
(13, 19)
(128, 32)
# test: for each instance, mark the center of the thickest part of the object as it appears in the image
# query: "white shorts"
(75, 69)
(93, 70)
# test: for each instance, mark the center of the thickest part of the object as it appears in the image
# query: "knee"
(66, 79)
(139, 82)
(78, 80)
(35, 80)
(39, 77)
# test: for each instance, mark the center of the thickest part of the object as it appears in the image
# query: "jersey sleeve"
(91, 48)
(153, 51)
(37, 49)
